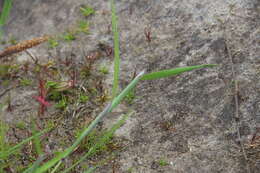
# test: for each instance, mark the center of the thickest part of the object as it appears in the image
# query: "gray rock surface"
(188, 120)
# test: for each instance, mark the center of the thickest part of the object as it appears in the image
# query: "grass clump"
(83, 26)
(62, 103)
(87, 11)
(69, 36)
(163, 162)
(83, 98)
(104, 70)
(53, 43)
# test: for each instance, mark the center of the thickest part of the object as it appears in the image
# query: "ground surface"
(181, 124)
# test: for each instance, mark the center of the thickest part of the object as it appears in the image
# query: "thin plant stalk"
(101, 142)
(5, 13)
(116, 49)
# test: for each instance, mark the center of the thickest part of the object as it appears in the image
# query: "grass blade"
(16, 147)
(36, 140)
(175, 71)
(110, 107)
(116, 49)
(105, 138)
(56, 167)
(69, 150)
(128, 89)
(86, 131)
(5, 13)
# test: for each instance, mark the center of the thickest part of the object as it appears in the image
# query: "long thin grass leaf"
(16, 147)
(56, 167)
(172, 72)
(36, 140)
(5, 12)
(86, 131)
(129, 87)
(110, 107)
(105, 138)
(116, 49)
(69, 150)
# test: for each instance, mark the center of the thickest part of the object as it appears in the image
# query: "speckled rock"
(188, 120)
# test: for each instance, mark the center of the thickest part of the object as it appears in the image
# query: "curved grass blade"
(86, 131)
(126, 91)
(175, 71)
(16, 147)
(102, 141)
(90, 170)
(115, 102)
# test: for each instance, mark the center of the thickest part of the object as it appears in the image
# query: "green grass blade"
(5, 13)
(116, 49)
(105, 138)
(56, 167)
(69, 150)
(16, 147)
(175, 71)
(86, 131)
(36, 140)
(3, 131)
(128, 89)
(110, 107)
